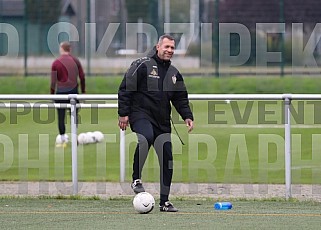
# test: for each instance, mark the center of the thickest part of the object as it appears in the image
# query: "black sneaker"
(137, 186)
(167, 207)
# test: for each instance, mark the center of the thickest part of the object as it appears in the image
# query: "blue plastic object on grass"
(222, 205)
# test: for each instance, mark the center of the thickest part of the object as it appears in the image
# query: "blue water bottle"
(222, 205)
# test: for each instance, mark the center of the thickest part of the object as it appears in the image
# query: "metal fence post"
(287, 144)
(122, 157)
(73, 123)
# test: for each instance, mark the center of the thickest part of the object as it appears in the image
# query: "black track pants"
(149, 135)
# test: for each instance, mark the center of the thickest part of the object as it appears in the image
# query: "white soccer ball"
(62, 139)
(90, 137)
(144, 202)
(82, 139)
(99, 136)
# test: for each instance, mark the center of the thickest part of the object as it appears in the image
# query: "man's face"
(165, 49)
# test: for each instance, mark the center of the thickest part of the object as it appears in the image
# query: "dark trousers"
(149, 135)
(61, 112)
(62, 120)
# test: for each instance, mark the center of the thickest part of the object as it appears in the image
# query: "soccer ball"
(99, 136)
(90, 137)
(144, 202)
(82, 139)
(62, 139)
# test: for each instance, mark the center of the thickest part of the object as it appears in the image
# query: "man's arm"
(81, 77)
(123, 122)
(54, 74)
(128, 87)
(124, 102)
(181, 103)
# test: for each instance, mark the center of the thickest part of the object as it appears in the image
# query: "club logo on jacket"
(174, 79)
(153, 74)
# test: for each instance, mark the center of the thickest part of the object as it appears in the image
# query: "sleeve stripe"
(139, 66)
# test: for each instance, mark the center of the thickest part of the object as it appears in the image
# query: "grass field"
(236, 142)
(229, 153)
(119, 214)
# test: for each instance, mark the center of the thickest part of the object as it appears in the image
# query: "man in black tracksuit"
(145, 95)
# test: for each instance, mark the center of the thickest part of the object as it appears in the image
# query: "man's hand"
(190, 124)
(123, 122)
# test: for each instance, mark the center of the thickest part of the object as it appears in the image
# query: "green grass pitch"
(119, 214)
(230, 144)
(226, 146)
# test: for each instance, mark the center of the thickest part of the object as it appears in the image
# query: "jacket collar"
(153, 54)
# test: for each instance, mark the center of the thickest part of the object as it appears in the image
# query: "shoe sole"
(168, 210)
(139, 191)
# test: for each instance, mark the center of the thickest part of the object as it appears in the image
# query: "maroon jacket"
(64, 73)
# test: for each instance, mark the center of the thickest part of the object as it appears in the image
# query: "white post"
(287, 150)
(73, 123)
(167, 11)
(122, 156)
(140, 46)
(92, 20)
(160, 11)
(194, 18)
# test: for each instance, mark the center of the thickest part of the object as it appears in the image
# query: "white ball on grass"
(90, 137)
(99, 136)
(144, 202)
(82, 138)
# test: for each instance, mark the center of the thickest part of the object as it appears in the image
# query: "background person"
(65, 71)
(145, 95)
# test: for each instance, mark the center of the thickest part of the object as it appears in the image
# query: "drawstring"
(177, 132)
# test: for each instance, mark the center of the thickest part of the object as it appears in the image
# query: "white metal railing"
(73, 115)
(287, 98)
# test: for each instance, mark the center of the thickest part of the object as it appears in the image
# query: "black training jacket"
(149, 87)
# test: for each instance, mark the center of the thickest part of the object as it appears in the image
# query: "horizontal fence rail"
(73, 98)
(55, 105)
